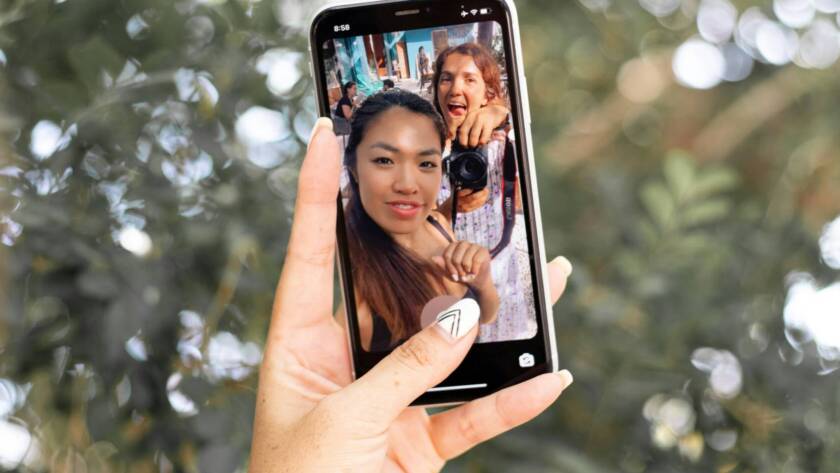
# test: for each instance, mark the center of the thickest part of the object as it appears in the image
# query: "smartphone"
(429, 100)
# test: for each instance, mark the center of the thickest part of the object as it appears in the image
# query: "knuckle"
(504, 415)
(414, 354)
(469, 430)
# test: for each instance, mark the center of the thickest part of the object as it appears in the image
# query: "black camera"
(466, 167)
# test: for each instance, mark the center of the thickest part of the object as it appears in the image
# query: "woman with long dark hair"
(402, 251)
(344, 107)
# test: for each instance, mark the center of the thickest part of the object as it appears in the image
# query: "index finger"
(304, 293)
(466, 126)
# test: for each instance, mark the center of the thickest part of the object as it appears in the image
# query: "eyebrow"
(393, 149)
(450, 73)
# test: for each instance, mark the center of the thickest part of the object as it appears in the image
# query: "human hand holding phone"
(310, 416)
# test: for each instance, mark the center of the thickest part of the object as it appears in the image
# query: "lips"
(404, 208)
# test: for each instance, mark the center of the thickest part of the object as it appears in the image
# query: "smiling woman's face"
(398, 168)
(461, 88)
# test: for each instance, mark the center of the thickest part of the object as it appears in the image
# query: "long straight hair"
(394, 281)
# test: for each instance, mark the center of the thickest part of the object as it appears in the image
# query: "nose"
(405, 181)
(457, 86)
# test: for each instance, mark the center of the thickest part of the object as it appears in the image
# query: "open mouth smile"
(456, 108)
(404, 208)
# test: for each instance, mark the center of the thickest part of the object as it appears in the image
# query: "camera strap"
(508, 198)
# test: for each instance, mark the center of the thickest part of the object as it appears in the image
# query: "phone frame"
(369, 18)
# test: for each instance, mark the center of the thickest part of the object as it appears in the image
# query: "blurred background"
(689, 167)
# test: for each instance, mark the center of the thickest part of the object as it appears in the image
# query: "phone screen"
(434, 204)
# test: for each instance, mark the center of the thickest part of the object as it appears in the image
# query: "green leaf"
(713, 181)
(679, 172)
(705, 212)
(659, 204)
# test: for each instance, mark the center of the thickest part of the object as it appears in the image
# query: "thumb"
(417, 365)
(438, 260)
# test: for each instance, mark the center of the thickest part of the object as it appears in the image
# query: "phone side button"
(526, 101)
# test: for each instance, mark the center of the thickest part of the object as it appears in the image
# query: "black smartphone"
(429, 100)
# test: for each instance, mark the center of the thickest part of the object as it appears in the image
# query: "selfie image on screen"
(429, 185)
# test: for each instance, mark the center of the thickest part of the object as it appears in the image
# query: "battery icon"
(484, 11)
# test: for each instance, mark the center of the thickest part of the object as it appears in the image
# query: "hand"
(466, 262)
(310, 417)
(469, 263)
(469, 199)
(477, 127)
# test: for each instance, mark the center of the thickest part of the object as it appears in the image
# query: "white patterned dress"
(510, 268)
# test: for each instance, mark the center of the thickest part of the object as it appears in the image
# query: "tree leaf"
(679, 172)
(705, 212)
(659, 204)
(713, 181)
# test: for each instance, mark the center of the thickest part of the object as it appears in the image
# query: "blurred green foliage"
(144, 212)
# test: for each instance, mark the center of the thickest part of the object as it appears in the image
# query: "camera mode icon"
(526, 360)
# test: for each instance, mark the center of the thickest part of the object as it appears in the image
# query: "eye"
(382, 161)
(428, 165)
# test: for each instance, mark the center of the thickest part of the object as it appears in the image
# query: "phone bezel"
(492, 363)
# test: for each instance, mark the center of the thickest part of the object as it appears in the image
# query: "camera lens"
(473, 168)
(467, 167)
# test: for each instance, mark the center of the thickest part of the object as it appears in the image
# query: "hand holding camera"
(479, 124)
(470, 199)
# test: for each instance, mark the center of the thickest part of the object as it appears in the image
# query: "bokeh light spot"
(281, 68)
(698, 64)
(640, 81)
(794, 13)
(830, 244)
(812, 313)
(819, 47)
(716, 20)
(135, 241)
(660, 8)
(776, 43)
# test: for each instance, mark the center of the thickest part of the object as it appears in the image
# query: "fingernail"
(322, 122)
(458, 319)
(565, 264)
(566, 377)
(469, 277)
(454, 277)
